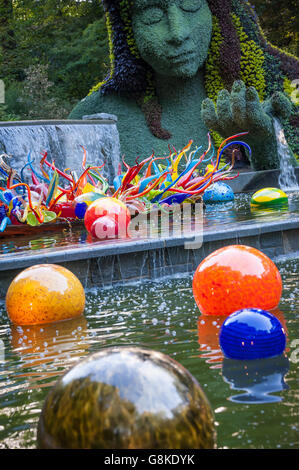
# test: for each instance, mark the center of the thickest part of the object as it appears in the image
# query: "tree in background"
(68, 35)
(9, 54)
(280, 22)
(69, 38)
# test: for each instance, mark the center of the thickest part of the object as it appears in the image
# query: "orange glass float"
(236, 277)
(44, 293)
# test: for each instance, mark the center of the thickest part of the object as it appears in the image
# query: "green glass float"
(126, 398)
(269, 197)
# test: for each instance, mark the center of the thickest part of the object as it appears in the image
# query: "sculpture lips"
(182, 57)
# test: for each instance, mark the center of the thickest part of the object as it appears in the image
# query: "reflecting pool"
(255, 402)
(215, 216)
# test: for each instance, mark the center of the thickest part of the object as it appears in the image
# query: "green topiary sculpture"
(182, 67)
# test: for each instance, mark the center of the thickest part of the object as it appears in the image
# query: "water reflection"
(7, 247)
(259, 378)
(44, 349)
(269, 210)
(58, 239)
(42, 243)
(162, 316)
(215, 215)
(224, 212)
(281, 317)
(208, 328)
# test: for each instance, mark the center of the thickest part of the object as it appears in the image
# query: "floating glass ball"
(44, 293)
(252, 333)
(269, 197)
(117, 218)
(218, 192)
(236, 277)
(126, 398)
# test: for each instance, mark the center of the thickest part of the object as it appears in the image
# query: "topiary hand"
(241, 111)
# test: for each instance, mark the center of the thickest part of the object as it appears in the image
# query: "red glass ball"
(104, 227)
(65, 210)
(111, 208)
(236, 277)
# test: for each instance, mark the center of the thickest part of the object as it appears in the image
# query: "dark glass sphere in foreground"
(126, 398)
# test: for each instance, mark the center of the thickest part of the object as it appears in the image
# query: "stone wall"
(107, 264)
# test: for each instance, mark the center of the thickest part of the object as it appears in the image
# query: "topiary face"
(228, 45)
(172, 36)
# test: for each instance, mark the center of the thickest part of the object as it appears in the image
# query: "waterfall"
(62, 140)
(287, 179)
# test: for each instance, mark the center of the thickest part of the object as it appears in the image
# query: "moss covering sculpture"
(182, 67)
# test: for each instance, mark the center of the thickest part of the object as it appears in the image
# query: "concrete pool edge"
(104, 264)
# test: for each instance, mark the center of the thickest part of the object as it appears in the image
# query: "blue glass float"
(252, 333)
(218, 192)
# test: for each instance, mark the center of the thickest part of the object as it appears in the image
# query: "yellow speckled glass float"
(44, 293)
(269, 197)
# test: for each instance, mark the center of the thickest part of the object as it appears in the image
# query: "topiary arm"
(240, 111)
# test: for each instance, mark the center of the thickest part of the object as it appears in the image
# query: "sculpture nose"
(178, 26)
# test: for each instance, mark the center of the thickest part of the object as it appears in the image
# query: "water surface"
(255, 402)
(215, 217)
